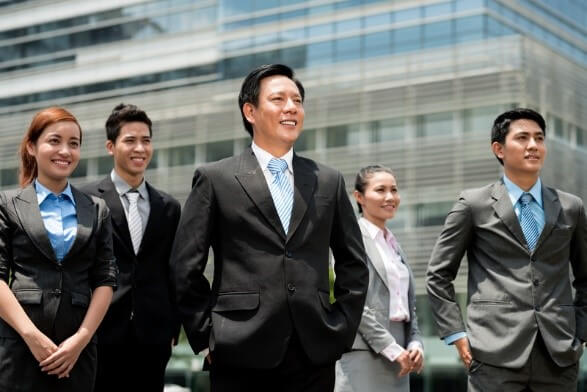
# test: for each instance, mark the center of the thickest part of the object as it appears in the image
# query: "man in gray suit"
(524, 330)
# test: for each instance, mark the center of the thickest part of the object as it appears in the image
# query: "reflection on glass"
(480, 120)
(9, 176)
(432, 214)
(388, 129)
(81, 170)
(306, 141)
(343, 135)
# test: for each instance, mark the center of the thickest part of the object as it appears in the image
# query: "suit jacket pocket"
(236, 301)
(29, 296)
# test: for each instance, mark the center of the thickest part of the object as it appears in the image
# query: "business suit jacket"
(143, 293)
(513, 292)
(268, 284)
(48, 289)
(374, 332)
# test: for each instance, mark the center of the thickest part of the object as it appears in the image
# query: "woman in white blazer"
(388, 345)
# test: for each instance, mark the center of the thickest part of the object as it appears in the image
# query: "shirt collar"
(372, 229)
(264, 157)
(515, 191)
(122, 187)
(43, 192)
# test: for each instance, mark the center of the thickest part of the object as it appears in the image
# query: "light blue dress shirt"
(515, 192)
(59, 217)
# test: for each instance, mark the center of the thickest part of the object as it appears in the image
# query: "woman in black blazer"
(57, 269)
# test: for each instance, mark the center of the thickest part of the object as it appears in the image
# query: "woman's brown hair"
(28, 164)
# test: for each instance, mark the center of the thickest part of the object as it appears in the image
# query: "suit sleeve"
(352, 275)
(443, 268)
(579, 265)
(104, 270)
(189, 256)
(5, 241)
(414, 332)
(175, 215)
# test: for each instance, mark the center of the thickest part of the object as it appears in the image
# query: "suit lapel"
(85, 221)
(110, 195)
(251, 177)
(155, 215)
(27, 207)
(504, 209)
(304, 184)
(371, 250)
(552, 209)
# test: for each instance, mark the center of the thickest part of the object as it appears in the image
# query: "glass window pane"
(388, 129)
(319, 53)
(435, 124)
(437, 34)
(306, 141)
(81, 170)
(405, 15)
(9, 176)
(437, 9)
(377, 44)
(104, 165)
(182, 155)
(349, 25)
(377, 20)
(348, 49)
(320, 30)
(432, 214)
(219, 150)
(406, 39)
(471, 28)
(480, 120)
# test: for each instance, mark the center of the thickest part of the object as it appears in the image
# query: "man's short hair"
(122, 114)
(251, 87)
(501, 125)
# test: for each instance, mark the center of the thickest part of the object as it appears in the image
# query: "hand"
(62, 361)
(464, 350)
(405, 363)
(40, 345)
(417, 360)
(209, 359)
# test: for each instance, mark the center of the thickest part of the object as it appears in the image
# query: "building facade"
(412, 84)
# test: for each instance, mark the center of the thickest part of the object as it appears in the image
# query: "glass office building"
(412, 84)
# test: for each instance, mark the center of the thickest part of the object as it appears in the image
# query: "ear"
(30, 148)
(110, 147)
(497, 149)
(358, 197)
(249, 112)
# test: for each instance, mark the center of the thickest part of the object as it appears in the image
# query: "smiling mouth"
(533, 157)
(60, 162)
(138, 159)
(291, 123)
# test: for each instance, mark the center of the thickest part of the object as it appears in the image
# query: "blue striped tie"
(527, 221)
(281, 190)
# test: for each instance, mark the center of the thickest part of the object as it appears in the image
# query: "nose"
(290, 106)
(532, 143)
(139, 146)
(64, 149)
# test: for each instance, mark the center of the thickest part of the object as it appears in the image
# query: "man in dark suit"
(524, 330)
(271, 217)
(141, 324)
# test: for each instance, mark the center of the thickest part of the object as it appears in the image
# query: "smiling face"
(57, 152)
(132, 151)
(278, 117)
(380, 199)
(523, 152)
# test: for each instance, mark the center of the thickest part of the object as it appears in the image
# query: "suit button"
(57, 292)
(535, 282)
(291, 288)
(288, 254)
(537, 308)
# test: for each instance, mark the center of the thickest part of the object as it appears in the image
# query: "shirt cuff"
(392, 351)
(450, 339)
(416, 345)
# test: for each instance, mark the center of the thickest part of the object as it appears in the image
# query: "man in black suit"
(137, 334)
(267, 318)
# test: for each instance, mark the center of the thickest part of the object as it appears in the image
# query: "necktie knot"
(132, 196)
(277, 166)
(526, 198)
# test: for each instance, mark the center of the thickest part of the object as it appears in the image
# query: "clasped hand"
(53, 359)
(410, 361)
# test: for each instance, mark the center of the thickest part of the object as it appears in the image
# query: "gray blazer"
(513, 292)
(374, 330)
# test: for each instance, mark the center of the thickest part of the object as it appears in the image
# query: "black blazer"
(143, 286)
(39, 282)
(268, 285)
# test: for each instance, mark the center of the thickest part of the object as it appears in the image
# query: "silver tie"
(135, 225)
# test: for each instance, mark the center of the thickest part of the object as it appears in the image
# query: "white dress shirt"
(143, 204)
(263, 157)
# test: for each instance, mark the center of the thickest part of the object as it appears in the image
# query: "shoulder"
(91, 188)
(567, 200)
(218, 167)
(319, 169)
(167, 199)
(481, 193)
(85, 200)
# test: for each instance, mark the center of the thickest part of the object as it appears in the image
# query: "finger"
(60, 370)
(53, 365)
(51, 358)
